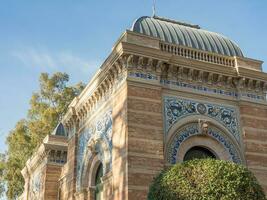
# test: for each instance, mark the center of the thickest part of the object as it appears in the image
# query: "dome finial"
(154, 8)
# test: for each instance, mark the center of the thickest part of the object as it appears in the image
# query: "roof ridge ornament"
(154, 8)
(177, 22)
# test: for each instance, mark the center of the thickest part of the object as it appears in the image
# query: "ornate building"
(168, 92)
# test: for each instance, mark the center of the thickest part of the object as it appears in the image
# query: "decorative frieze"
(57, 156)
(176, 109)
(81, 109)
(200, 88)
(94, 102)
(168, 75)
(195, 80)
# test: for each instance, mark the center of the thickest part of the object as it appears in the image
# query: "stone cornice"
(129, 48)
(253, 74)
(141, 54)
(178, 60)
(100, 86)
(50, 142)
(141, 40)
(177, 70)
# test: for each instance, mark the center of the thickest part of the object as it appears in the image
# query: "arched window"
(98, 184)
(198, 153)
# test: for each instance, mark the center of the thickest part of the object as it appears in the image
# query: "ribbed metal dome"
(186, 35)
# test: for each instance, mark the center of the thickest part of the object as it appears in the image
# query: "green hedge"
(206, 179)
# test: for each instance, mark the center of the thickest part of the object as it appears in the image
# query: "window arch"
(198, 152)
(188, 135)
(98, 182)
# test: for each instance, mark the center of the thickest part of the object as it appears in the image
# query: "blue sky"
(75, 36)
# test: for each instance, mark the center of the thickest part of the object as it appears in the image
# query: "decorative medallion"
(201, 108)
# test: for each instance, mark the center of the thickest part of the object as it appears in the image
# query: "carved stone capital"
(159, 67)
(180, 72)
(149, 65)
(190, 74)
(140, 63)
(200, 76)
(130, 61)
(210, 78)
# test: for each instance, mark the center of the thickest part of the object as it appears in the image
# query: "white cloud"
(45, 60)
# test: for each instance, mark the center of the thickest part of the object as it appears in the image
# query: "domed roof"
(186, 35)
(59, 130)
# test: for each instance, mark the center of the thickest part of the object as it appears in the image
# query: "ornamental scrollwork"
(177, 108)
(82, 144)
(102, 130)
(192, 130)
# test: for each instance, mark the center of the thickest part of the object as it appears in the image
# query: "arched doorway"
(98, 183)
(198, 152)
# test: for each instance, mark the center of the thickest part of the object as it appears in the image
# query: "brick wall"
(51, 181)
(118, 188)
(145, 139)
(69, 182)
(254, 122)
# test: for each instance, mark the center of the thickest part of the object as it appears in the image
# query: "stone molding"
(78, 114)
(170, 66)
(187, 131)
(179, 76)
(203, 141)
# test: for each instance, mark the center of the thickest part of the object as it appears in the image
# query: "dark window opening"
(98, 184)
(198, 153)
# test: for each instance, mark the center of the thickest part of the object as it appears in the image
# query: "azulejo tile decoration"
(253, 96)
(103, 129)
(141, 75)
(177, 108)
(199, 88)
(192, 130)
(82, 143)
(36, 186)
(118, 83)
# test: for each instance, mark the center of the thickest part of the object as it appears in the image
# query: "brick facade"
(142, 111)
(254, 121)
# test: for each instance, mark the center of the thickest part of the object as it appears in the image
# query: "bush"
(206, 179)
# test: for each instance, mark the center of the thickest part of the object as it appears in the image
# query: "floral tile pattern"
(177, 108)
(103, 129)
(192, 130)
(199, 87)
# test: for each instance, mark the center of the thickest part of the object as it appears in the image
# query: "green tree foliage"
(47, 107)
(19, 149)
(50, 104)
(206, 179)
(2, 170)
